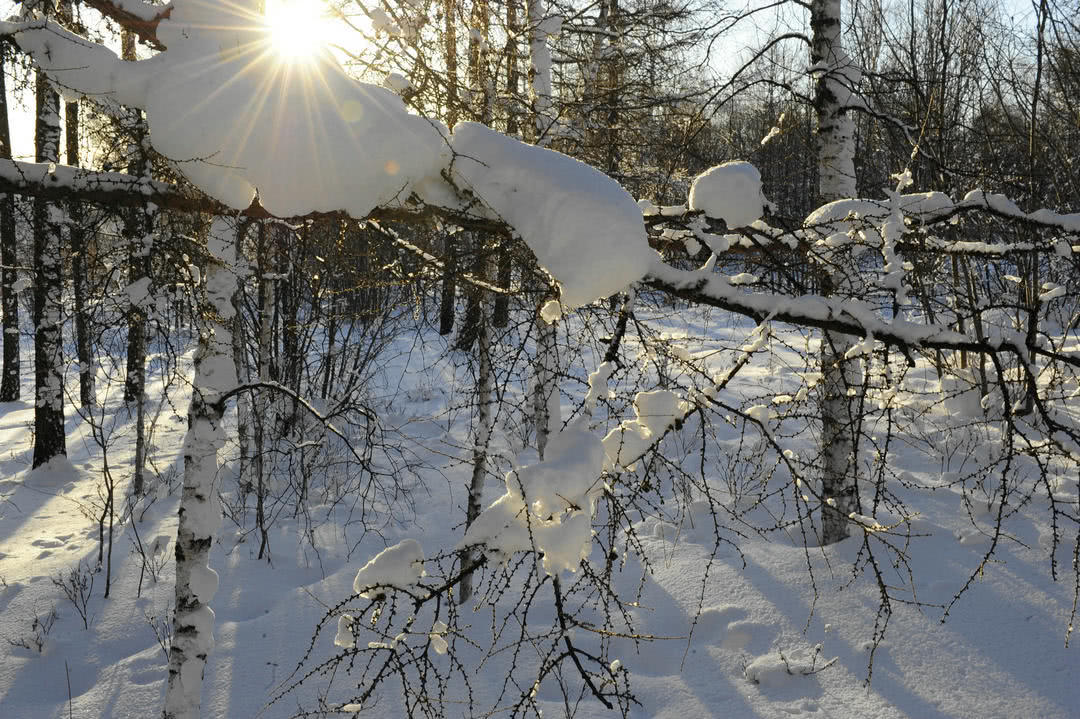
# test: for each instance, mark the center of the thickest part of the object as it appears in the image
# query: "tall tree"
(9, 375)
(835, 83)
(196, 583)
(138, 229)
(78, 241)
(49, 438)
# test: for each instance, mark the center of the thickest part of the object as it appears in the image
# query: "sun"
(298, 29)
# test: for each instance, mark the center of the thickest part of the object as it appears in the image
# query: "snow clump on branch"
(400, 566)
(583, 227)
(730, 192)
(548, 506)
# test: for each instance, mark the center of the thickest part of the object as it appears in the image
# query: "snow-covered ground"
(736, 633)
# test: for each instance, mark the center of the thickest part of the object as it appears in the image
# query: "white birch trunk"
(545, 389)
(836, 180)
(539, 72)
(200, 512)
(49, 435)
(240, 365)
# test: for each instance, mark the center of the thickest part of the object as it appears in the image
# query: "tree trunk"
(138, 226)
(500, 315)
(240, 367)
(200, 514)
(484, 417)
(49, 438)
(449, 287)
(9, 375)
(545, 404)
(79, 249)
(836, 180)
(539, 72)
(263, 409)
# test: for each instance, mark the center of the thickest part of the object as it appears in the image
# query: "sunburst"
(298, 30)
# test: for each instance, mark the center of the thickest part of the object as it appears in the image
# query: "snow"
(344, 637)
(551, 312)
(583, 227)
(400, 566)
(730, 192)
(139, 9)
(438, 640)
(924, 206)
(752, 651)
(548, 506)
(598, 384)
(777, 670)
(752, 630)
(397, 82)
(138, 292)
(654, 412)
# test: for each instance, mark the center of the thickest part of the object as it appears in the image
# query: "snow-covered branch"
(139, 17)
(834, 314)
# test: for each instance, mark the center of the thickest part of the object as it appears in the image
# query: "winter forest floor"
(764, 639)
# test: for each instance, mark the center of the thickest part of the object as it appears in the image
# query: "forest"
(639, 358)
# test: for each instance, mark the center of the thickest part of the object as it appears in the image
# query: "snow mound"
(774, 670)
(307, 136)
(58, 472)
(922, 205)
(730, 192)
(583, 227)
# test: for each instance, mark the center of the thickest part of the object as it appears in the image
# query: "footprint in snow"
(746, 636)
(713, 622)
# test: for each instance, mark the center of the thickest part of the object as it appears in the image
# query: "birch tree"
(200, 513)
(49, 433)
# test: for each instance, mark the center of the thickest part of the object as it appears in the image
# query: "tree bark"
(200, 513)
(836, 179)
(545, 399)
(482, 438)
(9, 375)
(138, 228)
(264, 425)
(49, 437)
(79, 249)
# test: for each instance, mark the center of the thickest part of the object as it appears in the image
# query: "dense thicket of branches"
(946, 95)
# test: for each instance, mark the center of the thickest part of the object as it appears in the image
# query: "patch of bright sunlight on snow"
(298, 29)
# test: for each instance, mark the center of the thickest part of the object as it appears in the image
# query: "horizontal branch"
(64, 183)
(842, 316)
(139, 17)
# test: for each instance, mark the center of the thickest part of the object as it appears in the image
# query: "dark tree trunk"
(9, 381)
(78, 247)
(449, 289)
